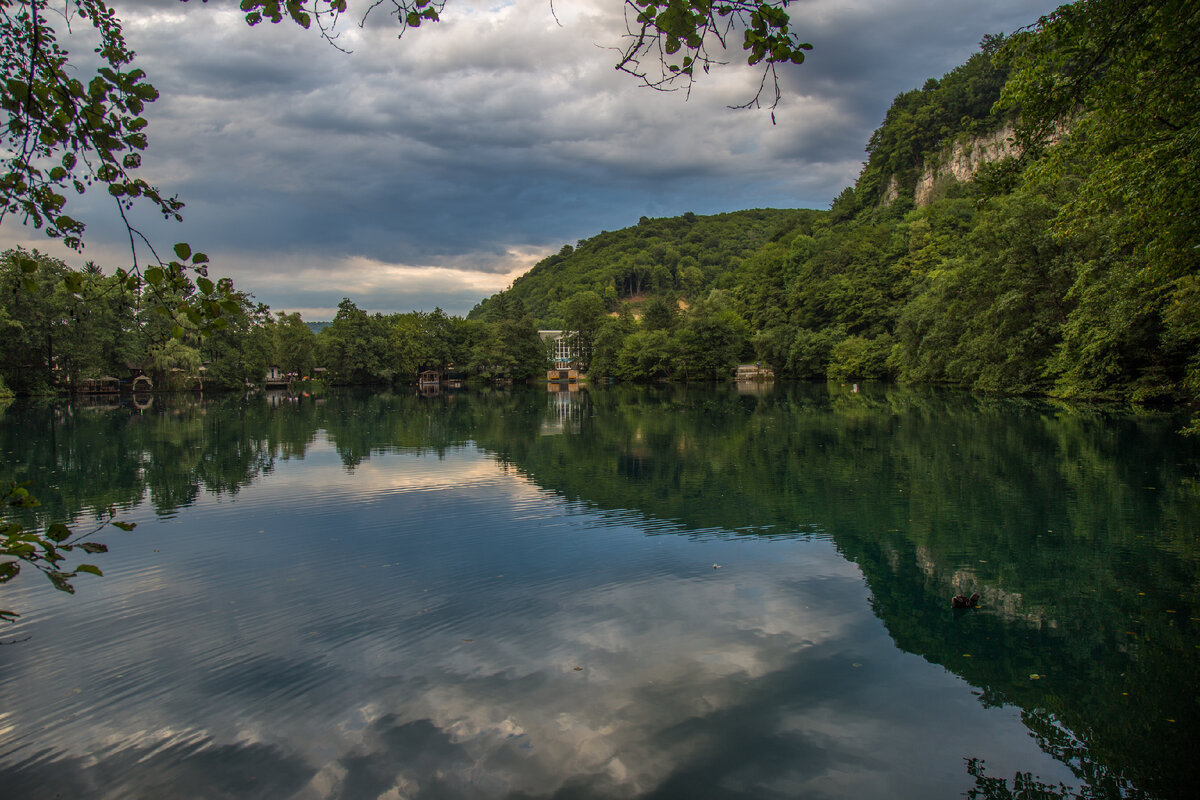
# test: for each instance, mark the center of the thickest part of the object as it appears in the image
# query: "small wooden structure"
(753, 372)
(429, 377)
(275, 379)
(563, 375)
(105, 385)
(138, 380)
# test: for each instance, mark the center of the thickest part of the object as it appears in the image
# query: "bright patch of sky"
(433, 170)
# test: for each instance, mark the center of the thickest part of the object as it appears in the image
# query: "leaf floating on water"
(856, 664)
(1033, 676)
(468, 641)
(578, 669)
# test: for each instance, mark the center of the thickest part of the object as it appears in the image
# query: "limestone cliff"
(960, 160)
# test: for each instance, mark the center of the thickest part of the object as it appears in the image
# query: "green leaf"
(58, 532)
(183, 251)
(89, 568)
(154, 276)
(94, 547)
(9, 570)
(205, 285)
(125, 526)
(61, 581)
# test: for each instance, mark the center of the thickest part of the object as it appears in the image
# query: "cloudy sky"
(433, 170)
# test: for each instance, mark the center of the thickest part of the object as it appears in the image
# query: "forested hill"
(1028, 223)
(1065, 263)
(679, 256)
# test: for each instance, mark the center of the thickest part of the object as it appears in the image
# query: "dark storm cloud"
(490, 139)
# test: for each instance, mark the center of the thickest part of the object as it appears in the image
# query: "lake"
(621, 592)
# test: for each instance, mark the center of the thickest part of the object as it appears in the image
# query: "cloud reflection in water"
(440, 627)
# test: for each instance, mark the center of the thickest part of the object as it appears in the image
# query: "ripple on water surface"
(438, 619)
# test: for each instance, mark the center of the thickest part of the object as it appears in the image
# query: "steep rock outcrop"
(962, 159)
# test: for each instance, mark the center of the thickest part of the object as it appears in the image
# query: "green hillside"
(1027, 223)
(1065, 265)
(679, 256)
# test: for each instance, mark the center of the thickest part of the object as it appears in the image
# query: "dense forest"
(1025, 224)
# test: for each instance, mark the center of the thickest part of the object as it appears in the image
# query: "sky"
(433, 170)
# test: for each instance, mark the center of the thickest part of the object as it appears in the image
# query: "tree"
(660, 315)
(711, 339)
(293, 345)
(357, 346)
(510, 346)
(58, 326)
(583, 314)
(240, 352)
(609, 341)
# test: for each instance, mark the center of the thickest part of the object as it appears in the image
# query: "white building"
(563, 354)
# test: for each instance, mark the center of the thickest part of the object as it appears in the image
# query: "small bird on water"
(962, 601)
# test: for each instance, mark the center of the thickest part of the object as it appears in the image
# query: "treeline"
(60, 327)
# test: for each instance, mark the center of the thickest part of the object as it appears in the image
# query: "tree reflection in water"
(1076, 525)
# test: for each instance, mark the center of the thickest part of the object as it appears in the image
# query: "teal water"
(618, 593)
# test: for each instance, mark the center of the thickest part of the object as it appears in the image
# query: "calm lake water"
(677, 593)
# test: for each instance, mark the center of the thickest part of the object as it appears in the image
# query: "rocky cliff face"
(962, 159)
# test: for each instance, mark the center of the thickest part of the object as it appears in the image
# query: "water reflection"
(458, 597)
